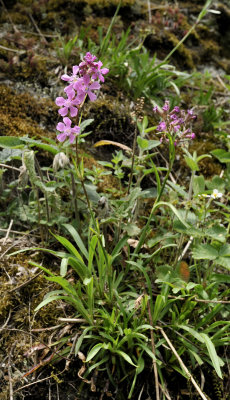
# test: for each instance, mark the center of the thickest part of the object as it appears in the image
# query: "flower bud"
(60, 161)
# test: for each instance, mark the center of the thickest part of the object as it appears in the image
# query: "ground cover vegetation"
(115, 229)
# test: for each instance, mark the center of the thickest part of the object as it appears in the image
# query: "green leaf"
(92, 246)
(66, 243)
(132, 229)
(10, 141)
(175, 211)
(192, 332)
(217, 232)
(159, 304)
(80, 339)
(119, 247)
(220, 278)
(47, 271)
(53, 149)
(204, 252)
(8, 154)
(225, 250)
(79, 267)
(63, 267)
(147, 350)
(222, 155)
(198, 185)
(142, 143)
(49, 299)
(153, 143)
(77, 239)
(223, 262)
(192, 164)
(212, 354)
(126, 357)
(94, 351)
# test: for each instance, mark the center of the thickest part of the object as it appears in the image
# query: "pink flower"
(166, 106)
(89, 87)
(162, 126)
(68, 104)
(89, 58)
(67, 131)
(98, 72)
(191, 136)
(176, 128)
(176, 109)
(72, 78)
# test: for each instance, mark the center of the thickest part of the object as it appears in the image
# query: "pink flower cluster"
(83, 81)
(175, 123)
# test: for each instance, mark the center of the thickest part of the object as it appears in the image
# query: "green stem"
(199, 18)
(133, 158)
(145, 229)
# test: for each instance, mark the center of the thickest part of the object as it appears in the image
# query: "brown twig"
(9, 166)
(25, 283)
(9, 17)
(75, 320)
(8, 232)
(13, 50)
(50, 328)
(38, 381)
(11, 390)
(38, 34)
(183, 366)
(5, 323)
(37, 28)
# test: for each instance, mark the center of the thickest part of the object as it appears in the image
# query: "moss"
(184, 54)
(209, 49)
(208, 166)
(21, 114)
(112, 120)
(106, 3)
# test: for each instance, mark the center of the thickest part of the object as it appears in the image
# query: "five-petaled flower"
(68, 104)
(67, 131)
(216, 195)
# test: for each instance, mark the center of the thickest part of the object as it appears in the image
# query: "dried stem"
(183, 366)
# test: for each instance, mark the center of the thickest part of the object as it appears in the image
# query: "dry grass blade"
(111, 142)
(182, 364)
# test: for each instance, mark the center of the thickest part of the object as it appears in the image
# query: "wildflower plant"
(147, 287)
(83, 82)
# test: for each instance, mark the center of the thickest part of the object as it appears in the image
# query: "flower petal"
(76, 129)
(61, 137)
(92, 96)
(63, 111)
(71, 138)
(70, 94)
(60, 101)
(95, 86)
(65, 77)
(104, 71)
(75, 69)
(73, 111)
(67, 121)
(60, 126)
